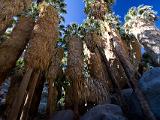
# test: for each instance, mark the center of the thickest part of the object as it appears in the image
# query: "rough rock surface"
(63, 115)
(150, 85)
(134, 109)
(104, 112)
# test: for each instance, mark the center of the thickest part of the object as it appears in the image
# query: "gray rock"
(63, 115)
(104, 112)
(150, 85)
(134, 109)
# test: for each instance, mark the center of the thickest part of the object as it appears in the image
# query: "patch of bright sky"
(75, 9)
(121, 7)
(75, 12)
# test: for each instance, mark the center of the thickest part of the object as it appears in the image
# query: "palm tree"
(74, 71)
(100, 25)
(41, 44)
(87, 87)
(111, 49)
(10, 9)
(14, 86)
(11, 49)
(133, 49)
(140, 22)
(133, 77)
(97, 78)
(54, 74)
(97, 8)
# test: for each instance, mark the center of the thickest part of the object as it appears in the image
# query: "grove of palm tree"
(90, 71)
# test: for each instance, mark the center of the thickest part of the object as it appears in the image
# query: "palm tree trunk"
(36, 100)
(11, 49)
(17, 104)
(137, 52)
(30, 95)
(116, 86)
(99, 79)
(99, 67)
(110, 61)
(42, 44)
(98, 70)
(104, 43)
(12, 92)
(54, 73)
(9, 9)
(134, 49)
(52, 98)
(74, 71)
(121, 41)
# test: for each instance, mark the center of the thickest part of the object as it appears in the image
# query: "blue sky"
(75, 9)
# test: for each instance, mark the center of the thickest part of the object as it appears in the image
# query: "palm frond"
(144, 13)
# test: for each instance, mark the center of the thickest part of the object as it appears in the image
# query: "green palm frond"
(113, 20)
(90, 25)
(60, 5)
(32, 11)
(90, 3)
(73, 29)
(131, 13)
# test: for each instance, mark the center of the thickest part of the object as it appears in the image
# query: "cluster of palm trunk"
(35, 42)
(109, 66)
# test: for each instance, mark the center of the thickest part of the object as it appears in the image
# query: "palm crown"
(97, 8)
(142, 12)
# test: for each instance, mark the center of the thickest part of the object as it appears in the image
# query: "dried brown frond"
(74, 71)
(55, 68)
(44, 38)
(11, 49)
(9, 9)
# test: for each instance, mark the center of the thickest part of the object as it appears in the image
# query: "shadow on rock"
(63, 115)
(104, 112)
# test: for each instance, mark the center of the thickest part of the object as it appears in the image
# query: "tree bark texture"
(55, 72)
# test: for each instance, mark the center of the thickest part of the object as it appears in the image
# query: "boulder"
(104, 112)
(63, 115)
(150, 85)
(134, 109)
